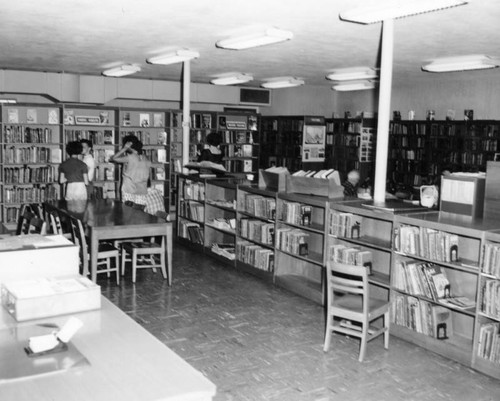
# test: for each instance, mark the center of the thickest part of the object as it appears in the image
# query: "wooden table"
(108, 219)
(125, 363)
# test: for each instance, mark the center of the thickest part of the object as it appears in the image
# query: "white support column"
(384, 112)
(186, 118)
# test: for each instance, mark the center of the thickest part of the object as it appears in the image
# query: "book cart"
(30, 154)
(440, 243)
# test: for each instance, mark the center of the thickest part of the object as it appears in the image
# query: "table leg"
(94, 250)
(169, 253)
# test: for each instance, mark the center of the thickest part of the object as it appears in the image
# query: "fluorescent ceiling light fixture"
(351, 74)
(462, 63)
(122, 70)
(354, 86)
(392, 9)
(255, 39)
(8, 101)
(231, 78)
(178, 56)
(282, 82)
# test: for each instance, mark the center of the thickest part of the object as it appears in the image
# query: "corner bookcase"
(30, 154)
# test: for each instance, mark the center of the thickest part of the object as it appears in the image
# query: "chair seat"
(106, 247)
(354, 303)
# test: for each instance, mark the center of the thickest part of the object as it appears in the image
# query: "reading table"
(108, 219)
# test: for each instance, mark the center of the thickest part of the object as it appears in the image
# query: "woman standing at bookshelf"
(135, 170)
(74, 173)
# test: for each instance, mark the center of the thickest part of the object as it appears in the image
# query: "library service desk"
(110, 358)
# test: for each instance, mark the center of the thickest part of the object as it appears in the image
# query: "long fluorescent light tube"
(351, 74)
(354, 86)
(461, 63)
(121, 71)
(285, 82)
(392, 9)
(178, 56)
(255, 39)
(232, 79)
(8, 101)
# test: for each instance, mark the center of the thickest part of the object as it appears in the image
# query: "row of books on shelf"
(192, 210)
(487, 145)
(255, 255)
(147, 137)
(343, 140)
(32, 154)
(194, 190)
(296, 213)
(344, 225)
(10, 215)
(229, 204)
(490, 263)
(97, 137)
(491, 298)
(405, 141)
(198, 136)
(23, 134)
(257, 230)
(408, 129)
(191, 231)
(223, 223)
(158, 173)
(37, 193)
(407, 154)
(293, 241)
(489, 342)
(225, 250)
(106, 190)
(427, 243)
(421, 316)
(350, 255)
(245, 150)
(239, 166)
(156, 155)
(28, 175)
(260, 206)
(176, 149)
(330, 174)
(105, 173)
(238, 136)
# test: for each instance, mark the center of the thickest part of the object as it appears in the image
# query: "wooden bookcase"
(299, 267)
(486, 356)
(98, 125)
(350, 145)
(31, 149)
(256, 224)
(463, 275)
(282, 138)
(152, 127)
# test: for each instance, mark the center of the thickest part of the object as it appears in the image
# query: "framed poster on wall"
(313, 140)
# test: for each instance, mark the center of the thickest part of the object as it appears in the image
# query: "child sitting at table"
(74, 173)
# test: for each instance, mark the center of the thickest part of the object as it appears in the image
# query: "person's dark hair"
(74, 148)
(214, 139)
(136, 143)
(89, 143)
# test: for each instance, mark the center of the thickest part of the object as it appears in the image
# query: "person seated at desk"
(74, 173)
(136, 168)
(212, 151)
(351, 184)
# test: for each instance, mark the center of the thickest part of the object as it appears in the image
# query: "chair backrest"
(347, 279)
(23, 224)
(79, 239)
(37, 226)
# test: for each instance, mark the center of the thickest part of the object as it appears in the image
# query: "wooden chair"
(29, 223)
(355, 309)
(53, 219)
(105, 253)
(145, 255)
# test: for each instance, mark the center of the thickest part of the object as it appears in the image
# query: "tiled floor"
(258, 342)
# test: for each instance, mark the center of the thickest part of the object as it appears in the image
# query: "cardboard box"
(44, 297)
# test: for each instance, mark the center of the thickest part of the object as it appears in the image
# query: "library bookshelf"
(30, 154)
(442, 243)
(256, 224)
